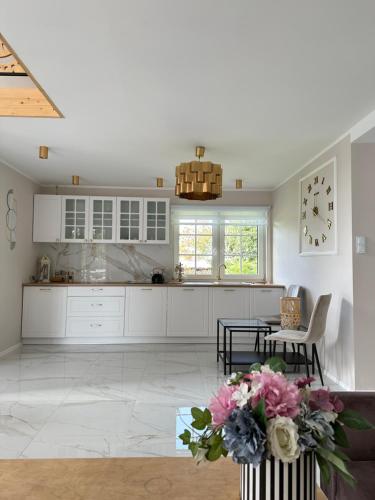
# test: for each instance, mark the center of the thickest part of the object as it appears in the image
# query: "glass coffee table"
(232, 326)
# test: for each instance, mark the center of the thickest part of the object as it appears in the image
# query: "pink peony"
(322, 399)
(222, 405)
(281, 397)
(302, 382)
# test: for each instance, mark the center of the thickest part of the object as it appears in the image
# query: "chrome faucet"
(219, 269)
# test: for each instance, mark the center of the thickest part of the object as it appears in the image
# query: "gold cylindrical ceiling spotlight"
(75, 180)
(198, 180)
(43, 152)
(238, 183)
(159, 182)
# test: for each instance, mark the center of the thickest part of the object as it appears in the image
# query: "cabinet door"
(47, 218)
(102, 219)
(156, 220)
(129, 220)
(75, 221)
(44, 311)
(266, 301)
(230, 303)
(188, 312)
(146, 311)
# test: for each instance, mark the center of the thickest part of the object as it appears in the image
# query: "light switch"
(360, 244)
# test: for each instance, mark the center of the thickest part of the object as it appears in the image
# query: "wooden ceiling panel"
(22, 99)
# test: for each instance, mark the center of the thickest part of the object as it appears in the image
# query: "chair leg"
(313, 360)
(315, 350)
(274, 347)
(306, 361)
(284, 351)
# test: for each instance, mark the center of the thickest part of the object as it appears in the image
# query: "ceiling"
(264, 85)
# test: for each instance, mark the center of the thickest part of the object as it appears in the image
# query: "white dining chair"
(314, 333)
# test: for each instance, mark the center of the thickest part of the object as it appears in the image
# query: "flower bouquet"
(274, 428)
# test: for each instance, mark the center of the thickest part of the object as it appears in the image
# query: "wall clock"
(318, 211)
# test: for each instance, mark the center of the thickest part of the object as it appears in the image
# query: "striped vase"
(274, 480)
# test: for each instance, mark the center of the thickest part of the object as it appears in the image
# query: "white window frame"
(218, 245)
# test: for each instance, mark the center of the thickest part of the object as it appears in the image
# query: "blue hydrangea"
(244, 439)
(314, 428)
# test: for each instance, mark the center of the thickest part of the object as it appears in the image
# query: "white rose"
(282, 437)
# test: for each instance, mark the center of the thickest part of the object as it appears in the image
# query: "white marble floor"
(101, 401)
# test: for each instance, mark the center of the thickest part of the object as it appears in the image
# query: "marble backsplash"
(108, 262)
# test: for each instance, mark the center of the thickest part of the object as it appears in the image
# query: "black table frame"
(235, 328)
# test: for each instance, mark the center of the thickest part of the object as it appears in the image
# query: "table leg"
(230, 352)
(217, 340)
(269, 333)
(225, 350)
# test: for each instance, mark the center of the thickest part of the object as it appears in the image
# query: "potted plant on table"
(276, 429)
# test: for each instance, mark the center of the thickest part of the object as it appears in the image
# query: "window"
(208, 238)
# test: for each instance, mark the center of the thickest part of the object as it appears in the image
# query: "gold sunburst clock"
(199, 180)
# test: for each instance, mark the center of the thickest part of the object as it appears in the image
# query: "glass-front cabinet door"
(102, 219)
(129, 220)
(75, 210)
(156, 220)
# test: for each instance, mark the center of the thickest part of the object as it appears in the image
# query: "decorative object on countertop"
(198, 180)
(75, 180)
(63, 277)
(45, 269)
(180, 272)
(157, 275)
(43, 152)
(11, 218)
(290, 313)
(274, 428)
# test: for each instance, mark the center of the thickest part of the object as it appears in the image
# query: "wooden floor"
(118, 478)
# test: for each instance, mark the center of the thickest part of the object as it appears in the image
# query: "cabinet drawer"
(96, 291)
(96, 306)
(95, 327)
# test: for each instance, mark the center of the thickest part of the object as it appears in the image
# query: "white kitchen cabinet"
(266, 301)
(44, 311)
(96, 306)
(47, 218)
(129, 220)
(75, 219)
(188, 312)
(96, 291)
(230, 302)
(102, 215)
(146, 311)
(95, 326)
(156, 220)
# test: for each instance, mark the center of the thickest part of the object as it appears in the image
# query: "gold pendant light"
(198, 180)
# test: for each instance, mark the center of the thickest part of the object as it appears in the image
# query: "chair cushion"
(287, 336)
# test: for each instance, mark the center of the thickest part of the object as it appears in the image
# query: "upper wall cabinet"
(156, 220)
(100, 219)
(47, 218)
(129, 220)
(75, 219)
(102, 228)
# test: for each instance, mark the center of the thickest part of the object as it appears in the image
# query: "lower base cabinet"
(44, 312)
(188, 312)
(146, 311)
(95, 327)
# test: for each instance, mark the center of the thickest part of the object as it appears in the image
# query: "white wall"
(16, 266)
(363, 182)
(321, 274)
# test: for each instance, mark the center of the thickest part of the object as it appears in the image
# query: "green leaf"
(354, 420)
(255, 367)
(324, 469)
(207, 417)
(260, 413)
(237, 379)
(193, 447)
(342, 455)
(200, 425)
(337, 463)
(215, 439)
(197, 413)
(340, 435)
(214, 453)
(185, 437)
(276, 364)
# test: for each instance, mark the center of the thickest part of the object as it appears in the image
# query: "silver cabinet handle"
(96, 305)
(266, 291)
(229, 290)
(95, 325)
(45, 289)
(96, 289)
(146, 289)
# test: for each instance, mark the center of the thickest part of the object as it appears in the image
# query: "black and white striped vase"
(274, 480)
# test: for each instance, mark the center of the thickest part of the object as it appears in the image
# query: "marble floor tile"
(102, 401)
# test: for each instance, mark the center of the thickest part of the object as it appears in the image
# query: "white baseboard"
(10, 349)
(337, 381)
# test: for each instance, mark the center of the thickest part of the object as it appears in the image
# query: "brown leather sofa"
(361, 452)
